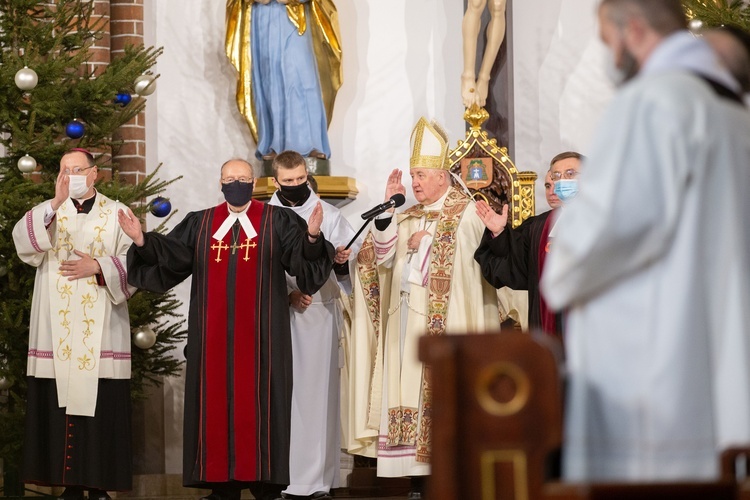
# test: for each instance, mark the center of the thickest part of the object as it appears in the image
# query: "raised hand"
(62, 190)
(131, 225)
(495, 222)
(394, 185)
(84, 267)
(316, 219)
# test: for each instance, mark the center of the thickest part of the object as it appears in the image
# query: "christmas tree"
(50, 93)
(714, 13)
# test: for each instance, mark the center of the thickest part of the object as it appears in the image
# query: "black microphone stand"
(362, 228)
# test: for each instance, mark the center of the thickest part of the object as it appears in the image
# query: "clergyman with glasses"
(238, 388)
(515, 257)
(77, 431)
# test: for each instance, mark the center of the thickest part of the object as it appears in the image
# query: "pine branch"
(714, 13)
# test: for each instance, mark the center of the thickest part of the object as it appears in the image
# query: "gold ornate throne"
(488, 171)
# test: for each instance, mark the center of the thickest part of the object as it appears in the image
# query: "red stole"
(547, 316)
(228, 385)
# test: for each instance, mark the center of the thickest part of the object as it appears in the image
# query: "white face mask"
(78, 186)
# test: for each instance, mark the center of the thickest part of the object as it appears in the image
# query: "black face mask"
(295, 194)
(237, 193)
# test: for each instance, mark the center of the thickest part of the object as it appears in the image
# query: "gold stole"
(78, 308)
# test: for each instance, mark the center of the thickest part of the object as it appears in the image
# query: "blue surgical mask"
(566, 189)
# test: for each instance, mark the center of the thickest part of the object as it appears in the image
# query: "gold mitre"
(429, 146)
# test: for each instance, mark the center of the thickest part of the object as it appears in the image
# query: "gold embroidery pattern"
(442, 256)
(64, 249)
(402, 426)
(368, 275)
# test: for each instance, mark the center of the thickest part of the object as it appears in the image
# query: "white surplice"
(79, 331)
(315, 427)
(652, 260)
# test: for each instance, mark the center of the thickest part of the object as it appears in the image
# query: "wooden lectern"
(497, 414)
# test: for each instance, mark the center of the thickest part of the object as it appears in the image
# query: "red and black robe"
(239, 358)
(515, 258)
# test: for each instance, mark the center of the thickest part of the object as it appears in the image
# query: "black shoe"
(321, 495)
(72, 493)
(222, 495)
(99, 495)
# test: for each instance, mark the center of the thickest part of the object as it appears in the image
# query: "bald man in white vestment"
(652, 261)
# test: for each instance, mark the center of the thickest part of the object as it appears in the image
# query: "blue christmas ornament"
(75, 129)
(160, 207)
(123, 98)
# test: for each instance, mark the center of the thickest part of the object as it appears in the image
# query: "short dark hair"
(287, 160)
(85, 152)
(663, 16)
(737, 63)
(313, 183)
(564, 156)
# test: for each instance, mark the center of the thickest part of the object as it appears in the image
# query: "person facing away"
(78, 414)
(316, 321)
(238, 388)
(651, 261)
(515, 257)
(415, 277)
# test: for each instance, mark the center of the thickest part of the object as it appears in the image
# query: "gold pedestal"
(337, 191)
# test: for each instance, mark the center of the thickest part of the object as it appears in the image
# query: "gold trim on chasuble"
(402, 423)
(63, 250)
(368, 275)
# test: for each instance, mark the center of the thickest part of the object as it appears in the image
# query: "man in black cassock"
(515, 257)
(239, 368)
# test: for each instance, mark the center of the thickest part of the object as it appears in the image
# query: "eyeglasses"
(568, 174)
(244, 180)
(77, 170)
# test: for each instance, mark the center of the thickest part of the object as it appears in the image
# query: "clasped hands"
(84, 267)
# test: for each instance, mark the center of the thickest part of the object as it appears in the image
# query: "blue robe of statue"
(288, 100)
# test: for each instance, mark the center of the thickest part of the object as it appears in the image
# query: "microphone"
(396, 200)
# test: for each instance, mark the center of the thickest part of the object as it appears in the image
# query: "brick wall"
(126, 28)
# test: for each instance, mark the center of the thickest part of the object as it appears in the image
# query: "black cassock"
(514, 259)
(239, 358)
